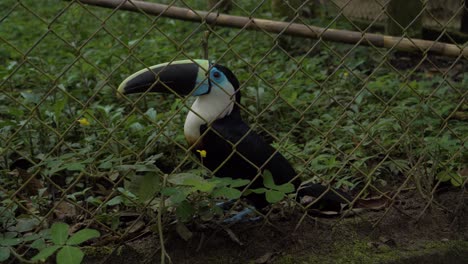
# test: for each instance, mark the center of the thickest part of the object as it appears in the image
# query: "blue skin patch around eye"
(206, 84)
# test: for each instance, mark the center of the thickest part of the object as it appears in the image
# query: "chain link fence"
(381, 118)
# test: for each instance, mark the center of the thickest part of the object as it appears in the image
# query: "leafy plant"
(8, 240)
(273, 193)
(202, 192)
(65, 245)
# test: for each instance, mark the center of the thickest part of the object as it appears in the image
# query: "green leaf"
(4, 253)
(115, 201)
(151, 114)
(10, 241)
(285, 188)
(83, 235)
(59, 233)
(38, 244)
(268, 179)
(185, 211)
(229, 193)
(74, 166)
(30, 97)
(179, 196)
(269, 183)
(273, 196)
(31, 237)
(8, 234)
(169, 191)
(203, 186)
(258, 190)
(239, 183)
(145, 186)
(70, 255)
(229, 182)
(456, 179)
(181, 178)
(26, 224)
(45, 253)
(443, 176)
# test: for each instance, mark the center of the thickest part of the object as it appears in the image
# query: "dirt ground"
(396, 235)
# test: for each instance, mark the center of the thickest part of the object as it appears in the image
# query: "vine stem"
(164, 254)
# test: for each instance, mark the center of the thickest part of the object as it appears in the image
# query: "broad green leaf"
(69, 255)
(115, 201)
(269, 183)
(258, 190)
(239, 183)
(203, 186)
(59, 233)
(10, 241)
(151, 114)
(74, 166)
(229, 182)
(179, 196)
(229, 193)
(8, 235)
(126, 193)
(206, 214)
(45, 253)
(273, 196)
(169, 191)
(144, 185)
(31, 97)
(26, 224)
(185, 211)
(285, 188)
(181, 178)
(31, 237)
(4, 253)
(456, 179)
(268, 179)
(82, 235)
(38, 244)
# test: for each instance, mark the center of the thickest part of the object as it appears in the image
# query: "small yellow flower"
(202, 153)
(83, 121)
(346, 74)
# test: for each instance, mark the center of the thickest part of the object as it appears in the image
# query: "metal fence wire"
(364, 97)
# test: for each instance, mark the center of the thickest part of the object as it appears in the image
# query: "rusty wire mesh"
(389, 128)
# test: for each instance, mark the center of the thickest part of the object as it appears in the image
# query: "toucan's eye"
(216, 74)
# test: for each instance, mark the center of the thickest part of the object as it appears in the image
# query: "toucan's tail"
(329, 199)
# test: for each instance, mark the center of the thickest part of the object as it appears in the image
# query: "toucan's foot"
(242, 217)
(226, 205)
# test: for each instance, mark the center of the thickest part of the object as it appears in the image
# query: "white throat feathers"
(208, 108)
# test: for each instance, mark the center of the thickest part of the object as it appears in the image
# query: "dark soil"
(402, 233)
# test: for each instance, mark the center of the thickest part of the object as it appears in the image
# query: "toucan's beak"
(186, 77)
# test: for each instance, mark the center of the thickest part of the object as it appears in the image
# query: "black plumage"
(234, 150)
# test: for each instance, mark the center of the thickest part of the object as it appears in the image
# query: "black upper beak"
(180, 77)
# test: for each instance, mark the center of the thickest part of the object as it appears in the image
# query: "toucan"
(214, 125)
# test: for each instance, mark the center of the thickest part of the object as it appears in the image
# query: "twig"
(160, 226)
(205, 39)
(19, 257)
